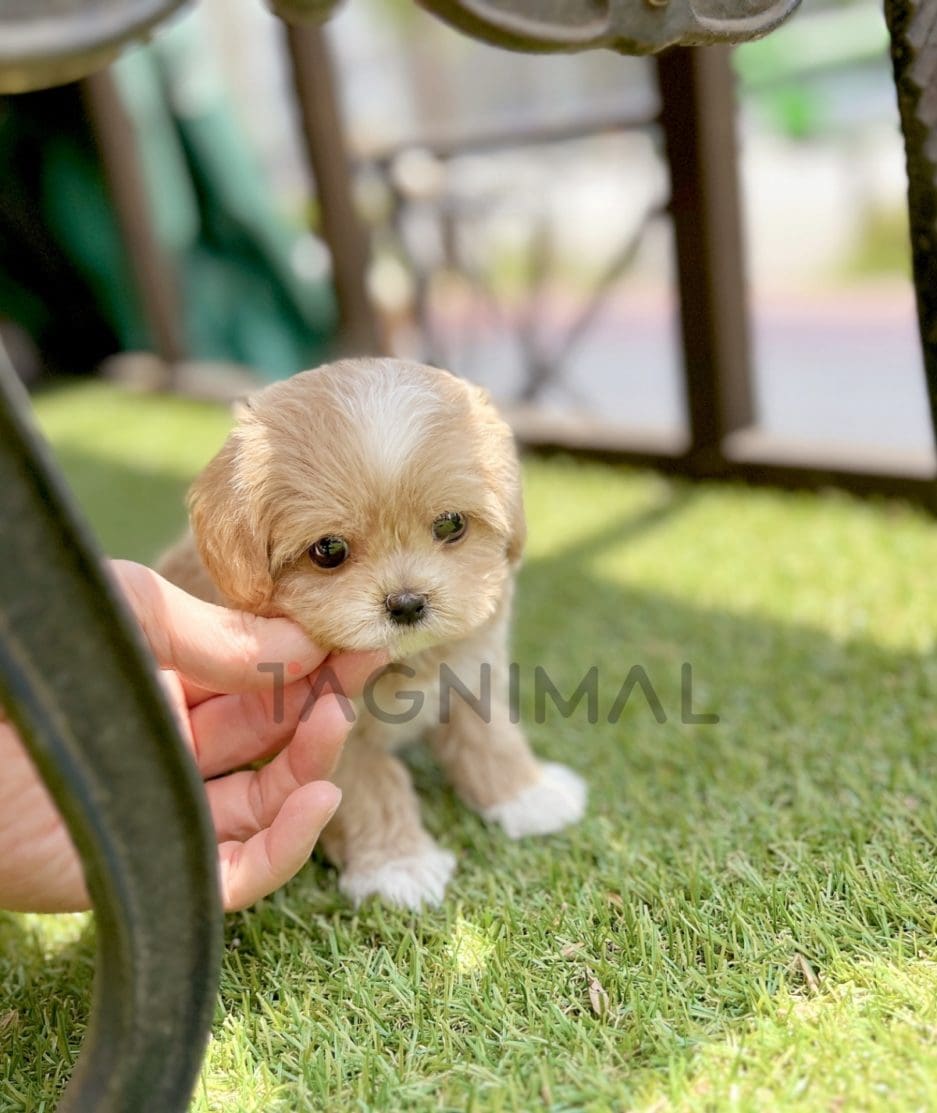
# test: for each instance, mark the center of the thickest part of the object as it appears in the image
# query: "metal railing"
(697, 119)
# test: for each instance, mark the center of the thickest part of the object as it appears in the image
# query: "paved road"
(837, 367)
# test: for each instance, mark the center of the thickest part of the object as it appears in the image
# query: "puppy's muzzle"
(405, 607)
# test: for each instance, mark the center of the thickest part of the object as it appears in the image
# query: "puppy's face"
(375, 502)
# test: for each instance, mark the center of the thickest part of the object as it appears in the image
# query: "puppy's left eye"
(450, 526)
(329, 552)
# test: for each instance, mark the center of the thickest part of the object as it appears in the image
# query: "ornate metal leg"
(152, 271)
(79, 685)
(698, 117)
(914, 56)
(343, 231)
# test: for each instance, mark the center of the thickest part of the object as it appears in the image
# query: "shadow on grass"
(716, 866)
(720, 867)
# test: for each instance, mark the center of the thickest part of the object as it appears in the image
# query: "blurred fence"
(446, 245)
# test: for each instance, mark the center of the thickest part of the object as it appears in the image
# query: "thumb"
(213, 647)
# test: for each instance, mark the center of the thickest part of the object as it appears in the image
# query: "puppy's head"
(376, 502)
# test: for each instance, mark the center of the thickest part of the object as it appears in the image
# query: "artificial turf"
(745, 920)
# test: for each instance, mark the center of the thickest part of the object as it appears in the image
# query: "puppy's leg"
(492, 768)
(376, 838)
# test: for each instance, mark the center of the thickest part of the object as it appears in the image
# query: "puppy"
(378, 504)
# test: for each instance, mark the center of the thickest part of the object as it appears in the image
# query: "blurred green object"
(796, 110)
(783, 72)
(253, 289)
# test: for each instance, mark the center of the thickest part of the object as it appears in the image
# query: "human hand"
(266, 820)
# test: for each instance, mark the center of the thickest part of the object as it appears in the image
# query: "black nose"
(405, 607)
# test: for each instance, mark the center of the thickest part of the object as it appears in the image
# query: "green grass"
(745, 921)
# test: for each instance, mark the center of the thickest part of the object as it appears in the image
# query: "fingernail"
(334, 807)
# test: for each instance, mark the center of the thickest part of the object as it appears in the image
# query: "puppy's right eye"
(329, 552)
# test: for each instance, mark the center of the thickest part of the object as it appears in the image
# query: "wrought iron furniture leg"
(698, 118)
(151, 268)
(327, 150)
(914, 57)
(82, 690)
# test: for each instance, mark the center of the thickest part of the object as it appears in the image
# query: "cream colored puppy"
(378, 504)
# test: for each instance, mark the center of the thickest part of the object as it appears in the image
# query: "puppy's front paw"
(407, 882)
(555, 801)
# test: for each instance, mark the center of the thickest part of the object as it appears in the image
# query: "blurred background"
(512, 219)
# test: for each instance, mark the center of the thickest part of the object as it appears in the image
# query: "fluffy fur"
(374, 451)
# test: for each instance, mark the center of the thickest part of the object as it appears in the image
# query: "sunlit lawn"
(746, 920)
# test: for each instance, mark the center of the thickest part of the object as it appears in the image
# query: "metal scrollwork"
(49, 42)
(45, 43)
(914, 57)
(77, 680)
(627, 26)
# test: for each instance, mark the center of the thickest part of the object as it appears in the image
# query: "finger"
(350, 671)
(175, 695)
(344, 673)
(243, 803)
(235, 730)
(214, 648)
(253, 869)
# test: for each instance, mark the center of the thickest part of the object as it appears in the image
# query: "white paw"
(404, 882)
(554, 802)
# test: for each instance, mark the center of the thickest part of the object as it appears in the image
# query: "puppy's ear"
(230, 538)
(504, 470)
(242, 407)
(517, 538)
